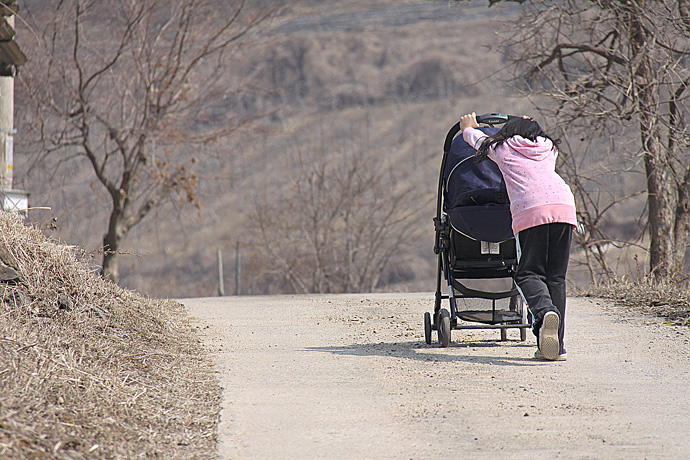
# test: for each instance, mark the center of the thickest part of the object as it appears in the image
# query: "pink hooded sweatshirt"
(538, 195)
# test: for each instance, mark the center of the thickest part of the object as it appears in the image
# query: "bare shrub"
(607, 190)
(335, 223)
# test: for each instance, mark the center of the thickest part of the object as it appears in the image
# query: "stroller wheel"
(427, 328)
(444, 328)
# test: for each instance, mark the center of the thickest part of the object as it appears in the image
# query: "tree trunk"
(112, 240)
(661, 193)
(660, 190)
(681, 229)
(111, 268)
(661, 209)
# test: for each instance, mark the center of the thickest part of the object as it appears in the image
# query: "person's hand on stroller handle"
(468, 121)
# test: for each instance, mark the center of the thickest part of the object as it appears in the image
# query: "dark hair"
(515, 126)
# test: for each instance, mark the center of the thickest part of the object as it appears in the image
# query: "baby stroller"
(474, 243)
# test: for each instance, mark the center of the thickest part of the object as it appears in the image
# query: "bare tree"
(336, 223)
(613, 67)
(135, 88)
(599, 188)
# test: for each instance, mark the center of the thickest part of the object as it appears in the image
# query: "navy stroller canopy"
(468, 183)
(472, 191)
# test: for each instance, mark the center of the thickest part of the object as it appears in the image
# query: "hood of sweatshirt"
(535, 150)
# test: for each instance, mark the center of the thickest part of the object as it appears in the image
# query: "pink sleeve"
(474, 137)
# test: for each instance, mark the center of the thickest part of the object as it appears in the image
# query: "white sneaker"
(549, 344)
(561, 357)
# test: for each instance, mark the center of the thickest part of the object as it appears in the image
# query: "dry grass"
(663, 299)
(90, 370)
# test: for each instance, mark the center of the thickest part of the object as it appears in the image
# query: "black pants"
(543, 254)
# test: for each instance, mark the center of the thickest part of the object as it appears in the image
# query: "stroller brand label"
(490, 248)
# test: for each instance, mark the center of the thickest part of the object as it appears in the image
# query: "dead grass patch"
(91, 370)
(663, 299)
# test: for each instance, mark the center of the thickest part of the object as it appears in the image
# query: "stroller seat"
(481, 243)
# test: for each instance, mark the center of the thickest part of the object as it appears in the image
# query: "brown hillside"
(392, 75)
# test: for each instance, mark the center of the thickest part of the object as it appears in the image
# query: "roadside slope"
(349, 376)
(91, 370)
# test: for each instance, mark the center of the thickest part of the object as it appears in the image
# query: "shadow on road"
(457, 352)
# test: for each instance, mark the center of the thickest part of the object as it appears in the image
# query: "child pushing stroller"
(542, 209)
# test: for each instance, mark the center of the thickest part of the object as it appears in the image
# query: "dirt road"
(350, 377)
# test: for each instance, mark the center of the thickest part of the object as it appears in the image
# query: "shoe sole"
(539, 356)
(548, 338)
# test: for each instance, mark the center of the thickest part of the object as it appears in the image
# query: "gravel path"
(350, 377)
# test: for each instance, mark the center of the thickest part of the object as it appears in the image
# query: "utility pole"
(221, 285)
(11, 57)
(238, 269)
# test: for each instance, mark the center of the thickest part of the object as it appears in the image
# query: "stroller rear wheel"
(444, 328)
(427, 328)
(518, 305)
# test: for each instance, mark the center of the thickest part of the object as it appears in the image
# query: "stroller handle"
(493, 118)
(490, 119)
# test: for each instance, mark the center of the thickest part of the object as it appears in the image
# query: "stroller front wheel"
(444, 328)
(427, 328)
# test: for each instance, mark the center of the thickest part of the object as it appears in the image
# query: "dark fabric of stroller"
(468, 183)
(490, 222)
(475, 196)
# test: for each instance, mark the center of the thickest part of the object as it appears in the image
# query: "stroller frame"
(444, 320)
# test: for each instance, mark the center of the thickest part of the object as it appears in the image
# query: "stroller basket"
(474, 243)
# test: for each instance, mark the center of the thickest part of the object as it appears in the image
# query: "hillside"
(390, 77)
(91, 370)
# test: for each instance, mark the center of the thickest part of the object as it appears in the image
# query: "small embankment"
(91, 370)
